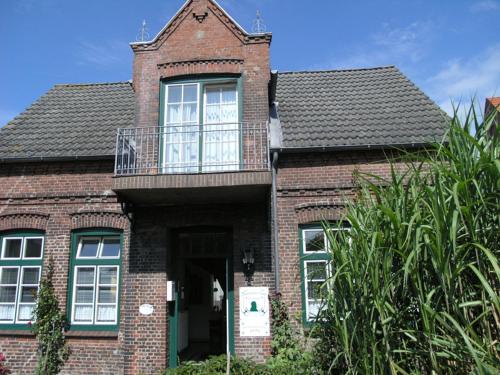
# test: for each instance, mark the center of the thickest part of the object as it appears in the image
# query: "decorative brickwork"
(96, 219)
(27, 220)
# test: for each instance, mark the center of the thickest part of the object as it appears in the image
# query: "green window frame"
(315, 268)
(202, 82)
(21, 260)
(94, 285)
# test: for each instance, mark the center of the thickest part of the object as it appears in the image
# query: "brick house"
(160, 198)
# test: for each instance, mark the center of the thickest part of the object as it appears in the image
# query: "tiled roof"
(377, 106)
(70, 121)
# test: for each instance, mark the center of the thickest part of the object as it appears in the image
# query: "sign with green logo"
(254, 312)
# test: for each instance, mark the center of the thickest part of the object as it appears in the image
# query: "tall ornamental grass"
(415, 282)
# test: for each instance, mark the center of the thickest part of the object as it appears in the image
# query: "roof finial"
(143, 33)
(258, 26)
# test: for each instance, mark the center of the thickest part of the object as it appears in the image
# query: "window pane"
(316, 270)
(229, 95)
(213, 95)
(30, 275)
(84, 294)
(7, 312)
(190, 93)
(25, 312)
(108, 275)
(315, 290)
(174, 114)
(89, 247)
(314, 240)
(313, 309)
(107, 294)
(190, 113)
(8, 294)
(28, 294)
(9, 276)
(83, 313)
(212, 114)
(106, 313)
(12, 248)
(85, 276)
(33, 248)
(174, 94)
(229, 113)
(111, 247)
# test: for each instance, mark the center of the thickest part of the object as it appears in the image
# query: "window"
(201, 126)
(20, 271)
(95, 279)
(315, 269)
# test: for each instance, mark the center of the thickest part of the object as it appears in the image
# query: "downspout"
(275, 222)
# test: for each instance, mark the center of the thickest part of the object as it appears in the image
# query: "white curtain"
(221, 130)
(25, 312)
(83, 313)
(106, 313)
(7, 312)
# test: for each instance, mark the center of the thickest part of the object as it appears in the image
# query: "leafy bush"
(217, 365)
(415, 283)
(49, 328)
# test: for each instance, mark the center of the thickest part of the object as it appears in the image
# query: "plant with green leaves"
(48, 327)
(415, 282)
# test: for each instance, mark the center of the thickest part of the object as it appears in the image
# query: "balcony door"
(181, 132)
(201, 131)
(221, 129)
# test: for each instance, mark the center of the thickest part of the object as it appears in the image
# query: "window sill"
(91, 334)
(16, 332)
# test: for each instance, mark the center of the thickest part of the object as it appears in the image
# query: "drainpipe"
(275, 223)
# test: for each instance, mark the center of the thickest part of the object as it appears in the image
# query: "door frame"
(173, 312)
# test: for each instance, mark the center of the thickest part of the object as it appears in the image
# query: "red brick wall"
(313, 187)
(57, 198)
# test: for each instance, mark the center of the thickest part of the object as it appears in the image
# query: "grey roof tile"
(376, 106)
(70, 121)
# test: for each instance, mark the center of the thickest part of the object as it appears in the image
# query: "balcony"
(179, 164)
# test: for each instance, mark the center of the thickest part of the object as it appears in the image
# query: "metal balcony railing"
(206, 148)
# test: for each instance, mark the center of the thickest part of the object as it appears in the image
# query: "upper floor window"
(94, 278)
(201, 127)
(20, 272)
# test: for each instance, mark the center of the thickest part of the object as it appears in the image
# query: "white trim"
(306, 281)
(115, 304)
(4, 240)
(325, 242)
(23, 252)
(20, 290)
(73, 297)
(100, 245)
(16, 294)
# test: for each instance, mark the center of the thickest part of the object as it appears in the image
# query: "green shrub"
(415, 282)
(217, 365)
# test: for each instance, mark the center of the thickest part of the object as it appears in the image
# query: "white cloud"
(390, 45)
(462, 80)
(485, 6)
(104, 54)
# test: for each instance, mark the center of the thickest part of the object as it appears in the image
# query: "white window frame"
(100, 247)
(325, 242)
(115, 304)
(22, 253)
(307, 280)
(178, 167)
(95, 295)
(16, 294)
(20, 290)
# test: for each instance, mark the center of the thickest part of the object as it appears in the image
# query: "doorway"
(201, 317)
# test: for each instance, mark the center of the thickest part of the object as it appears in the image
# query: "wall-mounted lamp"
(248, 265)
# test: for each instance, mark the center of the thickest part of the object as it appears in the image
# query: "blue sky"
(449, 48)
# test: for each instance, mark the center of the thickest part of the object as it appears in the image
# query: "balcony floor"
(224, 187)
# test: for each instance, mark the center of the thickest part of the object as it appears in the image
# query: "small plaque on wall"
(146, 309)
(254, 312)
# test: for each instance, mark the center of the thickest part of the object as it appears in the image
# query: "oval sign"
(146, 309)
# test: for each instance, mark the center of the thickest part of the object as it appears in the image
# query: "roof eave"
(399, 146)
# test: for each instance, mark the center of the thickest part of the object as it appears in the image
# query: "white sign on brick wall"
(254, 312)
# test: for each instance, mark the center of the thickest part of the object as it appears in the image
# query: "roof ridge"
(93, 84)
(339, 70)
